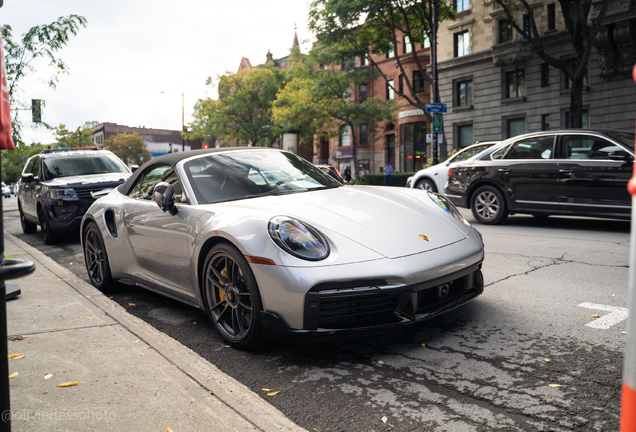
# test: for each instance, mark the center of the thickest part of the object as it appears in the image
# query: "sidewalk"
(131, 376)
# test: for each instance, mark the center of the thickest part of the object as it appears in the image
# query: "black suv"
(58, 186)
(578, 172)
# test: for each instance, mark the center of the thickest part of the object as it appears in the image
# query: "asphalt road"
(527, 355)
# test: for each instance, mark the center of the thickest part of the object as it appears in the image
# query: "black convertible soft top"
(174, 158)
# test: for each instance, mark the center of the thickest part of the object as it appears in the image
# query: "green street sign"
(437, 124)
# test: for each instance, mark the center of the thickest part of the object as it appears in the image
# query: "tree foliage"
(318, 99)
(582, 27)
(131, 148)
(244, 109)
(204, 125)
(78, 138)
(40, 42)
(362, 27)
(13, 161)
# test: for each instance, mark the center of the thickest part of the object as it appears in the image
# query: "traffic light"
(36, 110)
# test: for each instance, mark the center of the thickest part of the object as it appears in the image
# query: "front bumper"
(370, 308)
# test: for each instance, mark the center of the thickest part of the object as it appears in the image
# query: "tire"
(48, 235)
(488, 206)
(231, 297)
(96, 258)
(27, 227)
(426, 185)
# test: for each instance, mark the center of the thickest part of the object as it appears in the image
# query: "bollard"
(628, 404)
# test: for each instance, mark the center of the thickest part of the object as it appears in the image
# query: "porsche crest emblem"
(423, 237)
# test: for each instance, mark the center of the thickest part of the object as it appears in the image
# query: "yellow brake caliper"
(222, 293)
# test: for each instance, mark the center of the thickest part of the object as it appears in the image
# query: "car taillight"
(448, 173)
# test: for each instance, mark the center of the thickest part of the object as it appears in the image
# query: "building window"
(545, 122)
(461, 5)
(465, 135)
(419, 83)
(401, 84)
(515, 84)
(464, 92)
(526, 24)
(345, 136)
(413, 146)
(407, 45)
(515, 127)
(461, 43)
(362, 92)
(363, 60)
(505, 31)
(551, 16)
(545, 75)
(427, 40)
(391, 52)
(390, 90)
(364, 135)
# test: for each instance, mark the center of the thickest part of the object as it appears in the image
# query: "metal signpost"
(435, 109)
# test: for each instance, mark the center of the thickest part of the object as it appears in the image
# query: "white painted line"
(617, 315)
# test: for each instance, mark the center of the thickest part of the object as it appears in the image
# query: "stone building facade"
(496, 87)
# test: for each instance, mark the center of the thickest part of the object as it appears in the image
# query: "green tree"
(131, 148)
(78, 138)
(318, 98)
(203, 126)
(13, 161)
(583, 20)
(40, 42)
(362, 27)
(244, 108)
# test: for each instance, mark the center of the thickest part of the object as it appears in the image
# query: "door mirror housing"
(163, 195)
(26, 178)
(620, 155)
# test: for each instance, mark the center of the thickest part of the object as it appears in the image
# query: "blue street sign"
(436, 108)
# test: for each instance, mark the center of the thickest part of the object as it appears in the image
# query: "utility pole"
(435, 88)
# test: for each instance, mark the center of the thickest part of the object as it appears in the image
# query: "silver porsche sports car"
(269, 245)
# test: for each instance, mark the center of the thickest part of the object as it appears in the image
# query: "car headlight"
(298, 239)
(447, 206)
(63, 193)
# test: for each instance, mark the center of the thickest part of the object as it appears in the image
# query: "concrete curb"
(235, 395)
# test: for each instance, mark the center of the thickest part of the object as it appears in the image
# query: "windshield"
(470, 152)
(82, 165)
(626, 138)
(249, 174)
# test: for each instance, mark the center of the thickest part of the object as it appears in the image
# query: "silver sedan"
(270, 246)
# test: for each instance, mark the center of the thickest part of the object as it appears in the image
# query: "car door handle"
(504, 170)
(566, 171)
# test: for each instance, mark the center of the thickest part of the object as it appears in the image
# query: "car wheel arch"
(205, 248)
(418, 180)
(477, 185)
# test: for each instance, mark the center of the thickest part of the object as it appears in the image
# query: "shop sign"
(411, 113)
(342, 154)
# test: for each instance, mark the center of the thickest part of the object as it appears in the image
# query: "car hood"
(86, 180)
(392, 222)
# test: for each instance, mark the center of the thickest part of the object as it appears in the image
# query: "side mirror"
(26, 178)
(621, 155)
(134, 168)
(163, 195)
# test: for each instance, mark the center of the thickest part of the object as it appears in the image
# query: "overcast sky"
(133, 50)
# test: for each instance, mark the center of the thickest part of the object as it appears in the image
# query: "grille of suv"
(85, 192)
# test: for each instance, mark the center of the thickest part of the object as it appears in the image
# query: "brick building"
(158, 141)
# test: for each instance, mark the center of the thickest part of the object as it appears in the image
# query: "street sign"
(436, 108)
(437, 124)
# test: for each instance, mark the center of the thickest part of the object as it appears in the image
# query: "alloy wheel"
(94, 252)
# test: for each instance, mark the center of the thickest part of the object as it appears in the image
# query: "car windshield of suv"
(81, 165)
(250, 174)
(625, 138)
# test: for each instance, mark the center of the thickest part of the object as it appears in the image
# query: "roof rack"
(53, 150)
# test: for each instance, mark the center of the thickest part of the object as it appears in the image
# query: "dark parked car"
(569, 172)
(333, 172)
(58, 186)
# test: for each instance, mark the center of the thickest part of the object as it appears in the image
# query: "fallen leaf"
(595, 316)
(209, 392)
(380, 362)
(267, 390)
(316, 429)
(613, 295)
(136, 341)
(89, 317)
(59, 280)
(546, 360)
(68, 384)
(194, 323)
(131, 304)
(13, 375)
(227, 346)
(48, 376)
(15, 356)
(168, 429)
(554, 385)
(384, 419)
(578, 318)
(8, 256)
(447, 370)
(423, 344)
(71, 263)
(111, 297)
(88, 296)
(623, 332)
(273, 393)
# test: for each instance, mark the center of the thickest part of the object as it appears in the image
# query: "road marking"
(617, 315)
